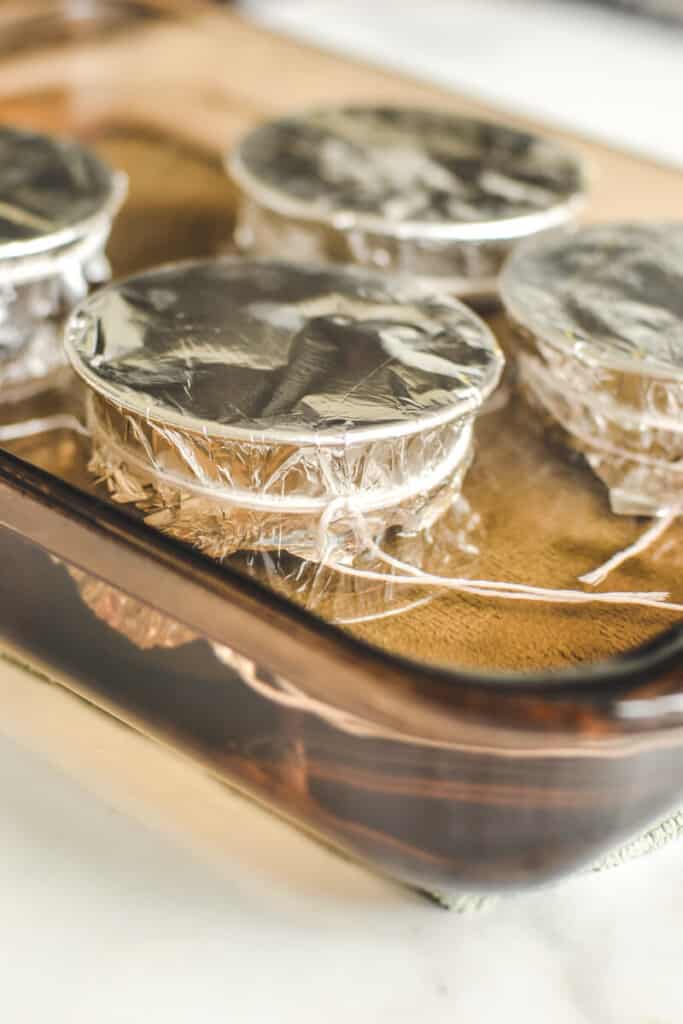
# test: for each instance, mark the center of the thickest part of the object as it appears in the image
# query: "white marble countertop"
(136, 889)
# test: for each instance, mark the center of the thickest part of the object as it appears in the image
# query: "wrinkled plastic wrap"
(413, 191)
(600, 313)
(32, 315)
(57, 201)
(270, 497)
(467, 269)
(285, 410)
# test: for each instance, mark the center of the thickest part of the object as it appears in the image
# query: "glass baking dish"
(461, 744)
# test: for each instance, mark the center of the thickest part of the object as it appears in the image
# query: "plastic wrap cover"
(57, 200)
(52, 192)
(281, 408)
(416, 191)
(601, 318)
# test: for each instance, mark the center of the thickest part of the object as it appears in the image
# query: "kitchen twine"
(376, 500)
(354, 508)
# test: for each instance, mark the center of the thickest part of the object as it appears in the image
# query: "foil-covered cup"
(57, 203)
(599, 313)
(427, 193)
(275, 407)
